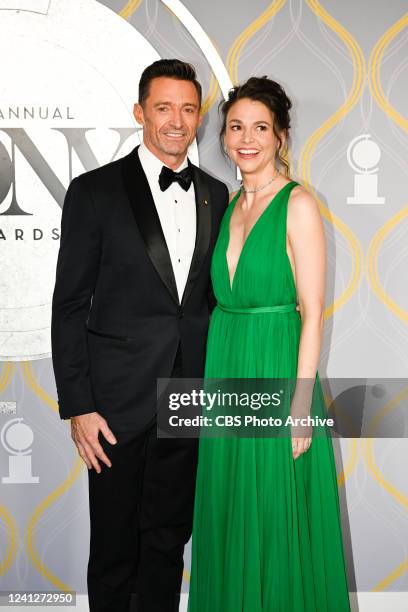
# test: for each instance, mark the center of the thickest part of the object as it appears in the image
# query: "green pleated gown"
(267, 534)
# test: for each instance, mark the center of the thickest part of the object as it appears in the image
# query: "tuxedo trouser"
(141, 513)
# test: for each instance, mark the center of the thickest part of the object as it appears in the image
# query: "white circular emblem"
(67, 91)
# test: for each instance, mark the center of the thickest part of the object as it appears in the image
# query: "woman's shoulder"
(300, 198)
(298, 188)
(303, 209)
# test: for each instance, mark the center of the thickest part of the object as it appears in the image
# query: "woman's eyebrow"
(255, 122)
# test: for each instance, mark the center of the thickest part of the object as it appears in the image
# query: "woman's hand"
(300, 446)
(301, 430)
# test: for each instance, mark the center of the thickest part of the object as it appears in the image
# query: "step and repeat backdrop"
(69, 79)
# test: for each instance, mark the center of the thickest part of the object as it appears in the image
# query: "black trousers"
(141, 512)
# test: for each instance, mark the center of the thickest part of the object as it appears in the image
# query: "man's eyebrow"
(167, 103)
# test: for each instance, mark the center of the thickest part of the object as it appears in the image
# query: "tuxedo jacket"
(117, 320)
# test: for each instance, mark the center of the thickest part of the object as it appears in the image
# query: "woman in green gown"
(267, 534)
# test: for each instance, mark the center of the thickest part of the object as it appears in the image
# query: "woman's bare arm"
(307, 253)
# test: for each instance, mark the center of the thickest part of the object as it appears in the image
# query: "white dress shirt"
(177, 213)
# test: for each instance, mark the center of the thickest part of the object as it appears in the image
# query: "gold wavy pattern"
(35, 517)
(309, 148)
(401, 569)
(375, 60)
(369, 456)
(238, 45)
(130, 8)
(12, 539)
(212, 95)
(7, 373)
(355, 93)
(372, 264)
(377, 92)
(29, 376)
(369, 459)
(75, 472)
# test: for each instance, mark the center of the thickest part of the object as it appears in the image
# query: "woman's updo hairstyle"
(270, 93)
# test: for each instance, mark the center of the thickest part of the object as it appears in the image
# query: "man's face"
(170, 116)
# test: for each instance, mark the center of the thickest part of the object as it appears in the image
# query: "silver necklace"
(258, 188)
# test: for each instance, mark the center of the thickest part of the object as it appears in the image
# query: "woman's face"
(249, 137)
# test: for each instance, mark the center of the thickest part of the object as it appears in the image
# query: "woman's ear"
(283, 137)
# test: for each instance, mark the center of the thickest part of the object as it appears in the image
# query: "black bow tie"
(168, 176)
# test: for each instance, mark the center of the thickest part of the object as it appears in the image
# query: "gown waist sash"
(260, 309)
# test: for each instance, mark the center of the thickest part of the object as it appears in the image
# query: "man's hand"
(85, 430)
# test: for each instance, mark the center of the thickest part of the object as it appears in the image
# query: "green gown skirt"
(267, 534)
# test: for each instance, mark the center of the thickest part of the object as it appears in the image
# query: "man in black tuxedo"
(131, 304)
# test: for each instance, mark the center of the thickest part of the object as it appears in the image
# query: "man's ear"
(138, 113)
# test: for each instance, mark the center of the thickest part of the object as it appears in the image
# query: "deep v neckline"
(267, 207)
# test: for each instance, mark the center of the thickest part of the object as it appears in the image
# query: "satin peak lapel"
(147, 219)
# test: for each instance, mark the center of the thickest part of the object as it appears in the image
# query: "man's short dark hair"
(170, 68)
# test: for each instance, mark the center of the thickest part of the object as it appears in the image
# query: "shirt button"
(175, 201)
(179, 260)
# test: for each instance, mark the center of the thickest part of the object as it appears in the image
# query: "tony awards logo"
(65, 107)
(363, 155)
(16, 438)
